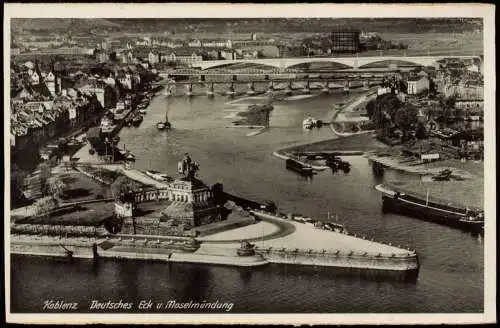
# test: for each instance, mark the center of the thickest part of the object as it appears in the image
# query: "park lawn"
(83, 215)
(81, 188)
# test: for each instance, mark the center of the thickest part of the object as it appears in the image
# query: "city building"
(185, 56)
(417, 85)
(194, 43)
(153, 57)
(345, 40)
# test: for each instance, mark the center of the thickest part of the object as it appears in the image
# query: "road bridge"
(351, 62)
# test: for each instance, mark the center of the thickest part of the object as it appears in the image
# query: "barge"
(452, 216)
(299, 167)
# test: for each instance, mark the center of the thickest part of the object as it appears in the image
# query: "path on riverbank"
(340, 115)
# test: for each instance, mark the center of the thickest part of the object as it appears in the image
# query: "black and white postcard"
(225, 163)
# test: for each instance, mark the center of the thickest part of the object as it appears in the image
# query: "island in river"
(255, 115)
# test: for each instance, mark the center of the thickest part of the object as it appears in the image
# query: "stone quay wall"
(339, 259)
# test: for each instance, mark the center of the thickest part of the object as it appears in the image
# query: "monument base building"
(191, 204)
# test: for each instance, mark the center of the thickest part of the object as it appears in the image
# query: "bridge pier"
(347, 86)
(325, 88)
(270, 87)
(231, 90)
(251, 88)
(289, 88)
(189, 89)
(307, 88)
(210, 90)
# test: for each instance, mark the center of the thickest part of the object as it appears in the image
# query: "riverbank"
(329, 249)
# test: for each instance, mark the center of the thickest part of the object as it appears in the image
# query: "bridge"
(351, 62)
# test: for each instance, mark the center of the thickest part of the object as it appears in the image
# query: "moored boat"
(157, 175)
(444, 175)
(453, 216)
(136, 120)
(299, 167)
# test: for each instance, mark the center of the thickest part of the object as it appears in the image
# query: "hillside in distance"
(300, 25)
(61, 24)
(247, 25)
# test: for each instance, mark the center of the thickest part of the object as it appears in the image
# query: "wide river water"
(451, 274)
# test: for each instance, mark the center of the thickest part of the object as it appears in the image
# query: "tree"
(56, 187)
(370, 108)
(17, 177)
(112, 56)
(45, 173)
(421, 131)
(447, 105)
(406, 118)
(123, 188)
(385, 107)
(432, 87)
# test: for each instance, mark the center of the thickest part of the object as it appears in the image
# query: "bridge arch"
(385, 63)
(312, 61)
(242, 66)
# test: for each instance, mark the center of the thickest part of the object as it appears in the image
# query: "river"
(451, 274)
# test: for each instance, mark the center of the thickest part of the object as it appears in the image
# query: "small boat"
(158, 175)
(143, 111)
(126, 154)
(129, 156)
(246, 249)
(136, 120)
(164, 125)
(336, 164)
(444, 175)
(309, 123)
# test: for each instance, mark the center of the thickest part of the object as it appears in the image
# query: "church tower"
(50, 81)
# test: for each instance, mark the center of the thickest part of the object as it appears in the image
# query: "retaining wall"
(345, 260)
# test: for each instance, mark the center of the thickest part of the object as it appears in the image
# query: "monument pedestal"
(192, 204)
